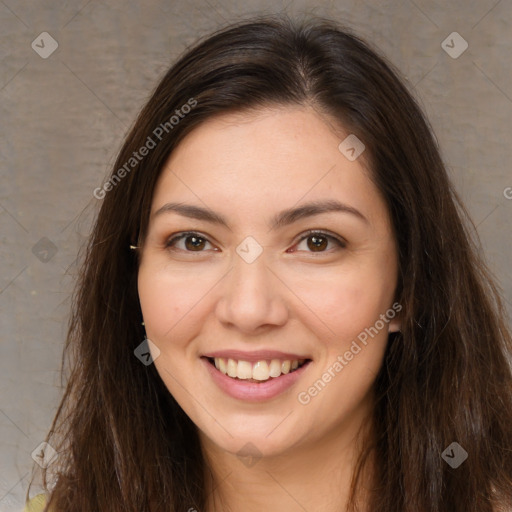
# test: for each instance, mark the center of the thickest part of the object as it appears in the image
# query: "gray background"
(64, 117)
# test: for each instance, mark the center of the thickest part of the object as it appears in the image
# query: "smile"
(255, 381)
(260, 371)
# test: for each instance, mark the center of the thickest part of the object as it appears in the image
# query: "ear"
(395, 325)
(395, 322)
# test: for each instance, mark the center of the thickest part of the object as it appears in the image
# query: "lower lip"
(252, 391)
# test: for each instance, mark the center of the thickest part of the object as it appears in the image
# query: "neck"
(315, 475)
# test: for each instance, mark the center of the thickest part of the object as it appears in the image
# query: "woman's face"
(231, 270)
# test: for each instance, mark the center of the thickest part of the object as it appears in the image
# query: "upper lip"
(256, 355)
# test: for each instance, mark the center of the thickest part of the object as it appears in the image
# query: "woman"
(281, 307)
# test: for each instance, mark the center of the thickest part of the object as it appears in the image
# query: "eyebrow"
(283, 218)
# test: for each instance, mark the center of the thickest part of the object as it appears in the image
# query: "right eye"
(189, 241)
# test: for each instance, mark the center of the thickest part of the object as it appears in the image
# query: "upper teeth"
(260, 370)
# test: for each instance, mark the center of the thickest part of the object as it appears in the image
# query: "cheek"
(345, 302)
(169, 302)
(352, 350)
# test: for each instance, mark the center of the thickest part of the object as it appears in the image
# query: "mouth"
(258, 372)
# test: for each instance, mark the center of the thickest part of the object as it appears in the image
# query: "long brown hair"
(123, 441)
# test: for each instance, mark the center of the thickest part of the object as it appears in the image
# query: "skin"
(248, 167)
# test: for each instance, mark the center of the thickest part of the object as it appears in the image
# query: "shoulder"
(36, 504)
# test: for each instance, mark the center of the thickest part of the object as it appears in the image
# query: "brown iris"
(194, 243)
(317, 242)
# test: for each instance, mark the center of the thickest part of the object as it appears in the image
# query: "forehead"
(266, 159)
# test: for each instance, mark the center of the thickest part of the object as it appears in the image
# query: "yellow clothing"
(36, 504)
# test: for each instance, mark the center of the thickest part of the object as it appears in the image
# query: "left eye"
(318, 242)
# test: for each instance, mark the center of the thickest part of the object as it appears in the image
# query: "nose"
(252, 298)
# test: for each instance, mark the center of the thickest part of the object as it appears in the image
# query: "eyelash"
(180, 236)
(338, 241)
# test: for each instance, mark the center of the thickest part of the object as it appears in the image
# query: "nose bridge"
(250, 276)
(251, 295)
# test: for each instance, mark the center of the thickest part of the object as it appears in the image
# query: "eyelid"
(183, 234)
(331, 236)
